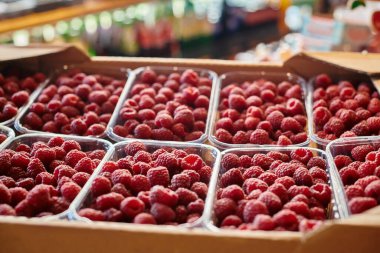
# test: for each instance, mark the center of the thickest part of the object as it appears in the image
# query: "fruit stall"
(183, 155)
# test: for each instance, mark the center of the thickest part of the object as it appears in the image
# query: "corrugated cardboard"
(358, 233)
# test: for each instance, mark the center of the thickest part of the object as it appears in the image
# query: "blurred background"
(245, 30)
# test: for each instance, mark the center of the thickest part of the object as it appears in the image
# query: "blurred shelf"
(52, 16)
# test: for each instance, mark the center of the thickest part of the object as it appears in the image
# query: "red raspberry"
(162, 213)
(252, 184)
(167, 160)
(81, 178)
(70, 145)
(233, 176)
(252, 172)
(24, 209)
(113, 214)
(180, 180)
(158, 176)
(322, 192)
(295, 190)
(133, 147)
(31, 119)
(295, 106)
(321, 115)
(374, 105)
(44, 178)
(263, 222)
(268, 177)
(181, 214)
(185, 196)
(20, 98)
(342, 161)
(322, 80)
(285, 169)
(223, 136)
(144, 218)
(224, 207)
(275, 118)
(361, 129)
(245, 161)
(141, 168)
(361, 204)
(302, 155)
(159, 194)
(125, 164)
(192, 162)
(302, 177)
(132, 206)
(230, 161)
(252, 209)
(300, 198)
(17, 195)
(70, 190)
(162, 134)
(120, 188)
(143, 131)
(255, 194)
(259, 136)
(27, 183)
(35, 167)
(262, 160)
(233, 192)
(231, 220)
(271, 200)
(348, 175)
(365, 181)
(196, 206)
(96, 154)
(74, 156)
(7, 181)
(224, 123)
(284, 141)
(46, 155)
(366, 169)
(290, 124)
(316, 162)
(5, 194)
(279, 190)
(298, 207)
(139, 183)
(373, 190)
(109, 166)
(7, 210)
(109, 200)
(185, 117)
(359, 152)
(237, 102)
(121, 176)
(353, 191)
(100, 185)
(85, 165)
(39, 197)
(286, 219)
(374, 124)
(318, 173)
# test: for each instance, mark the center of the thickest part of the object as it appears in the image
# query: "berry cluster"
(14, 92)
(261, 112)
(44, 178)
(342, 110)
(272, 191)
(166, 107)
(76, 103)
(360, 174)
(167, 186)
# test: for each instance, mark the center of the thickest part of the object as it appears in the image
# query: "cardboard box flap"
(355, 67)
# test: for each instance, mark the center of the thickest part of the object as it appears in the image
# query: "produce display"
(273, 190)
(74, 103)
(172, 106)
(147, 185)
(15, 89)
(261, 112)
(344, 110)
(42, 178)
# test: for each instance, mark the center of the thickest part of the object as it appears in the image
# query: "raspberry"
(302, 177)
(74, 156)
(144, 218)
(139, 183)
(342, 161)
(316, 162)
(252, 184)
(70, 190)
(260, 137)
(44, 178)
(24, 209)
(26, 183)
(373, 190)
(321, 115)
(7, 181)
(96, 154)
(132, 206)
(159, 194)
(233, 176)
(240, 137)
(231, 220)
(133, 147)
(109, 166)
(162, 134)
(192, 162)
(92, 214)
(252, 209)
(39, 197)
(302, 155)
(185, 196)
(109, 200)
(366, 169)
(361, 204)
(224, 207)
(285, 170)
(237, 102)
(196, 206)
(35, 167)
(180, 180)
(252, 172)
(233, 192)
(17, 195)
(162, 213)
(81, 178)
(373, 124)
(361, 129)
(120, 188)
(353, 191)
(286, 219)
(167, 160)
(280, 191)
(271, 200)
(70, 145)
(263, 222)
(158, 176)
(275, 118)
(359, 152)
(200, 189)
(121, 176)
(262, 160)
(295, 190)
(5, 194)
(268, 177)
(318, 173)
(46, 155)
(365, 181)
(85, 165)
(290, 124)
(374, 105)
(298, 207)
(7, 210)
(348, 175)
(245, 161)
(100, 185)
(322, 192)
(295, 106)
(141, 168)
(223, 136)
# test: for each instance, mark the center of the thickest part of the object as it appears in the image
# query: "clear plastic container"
(344, 146)
(115, 120)
(8, 132)
(209, 154)
(118, 73)
(87, 144)
(239, 77)
(334, 211)
(10, 122)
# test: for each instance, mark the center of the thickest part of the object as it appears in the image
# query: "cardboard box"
(355, 234)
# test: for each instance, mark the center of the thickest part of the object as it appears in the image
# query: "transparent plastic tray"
(343, 146)
(118, 73)
(239, 77)
(321, 143)
(209, 154)
(87, 144)
(166, 70)
(8, 132)
(334, 211)
(10, 122)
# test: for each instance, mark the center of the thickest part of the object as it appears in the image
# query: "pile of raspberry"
(360, 174)
(167, 186)
(344, 110)
(14, 92)
(261, 112)
(44, 178)
(272, 191)
(166, 107)
(76, 103)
